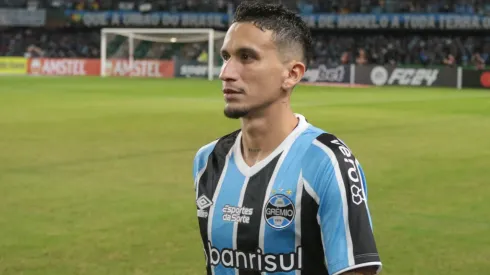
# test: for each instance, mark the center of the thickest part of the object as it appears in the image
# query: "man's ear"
(294, 76)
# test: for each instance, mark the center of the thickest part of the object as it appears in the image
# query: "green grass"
(95, 174)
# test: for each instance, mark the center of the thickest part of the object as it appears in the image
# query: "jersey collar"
(249, 171)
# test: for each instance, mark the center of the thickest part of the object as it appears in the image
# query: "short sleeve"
(343, 212)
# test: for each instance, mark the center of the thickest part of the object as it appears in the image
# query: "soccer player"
(278, 196)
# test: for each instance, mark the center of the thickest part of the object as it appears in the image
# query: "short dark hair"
(289, 28)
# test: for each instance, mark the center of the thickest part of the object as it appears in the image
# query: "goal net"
(161, 53)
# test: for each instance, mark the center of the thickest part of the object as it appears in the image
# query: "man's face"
(253, 73)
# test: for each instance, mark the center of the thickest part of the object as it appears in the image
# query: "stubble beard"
(235, 113)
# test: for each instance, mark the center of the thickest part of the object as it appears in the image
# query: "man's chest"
(249, 205)
(236, 210)
(251, 222)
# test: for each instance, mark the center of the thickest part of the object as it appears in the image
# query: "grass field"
(95, 174)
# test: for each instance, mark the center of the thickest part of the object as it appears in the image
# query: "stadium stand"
(333, 47)
(305, 6)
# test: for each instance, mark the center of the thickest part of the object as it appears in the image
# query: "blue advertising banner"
(406, 21)
(403, 21)
(151, 19)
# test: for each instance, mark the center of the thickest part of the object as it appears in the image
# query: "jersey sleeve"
(200, 161)
(343, 212)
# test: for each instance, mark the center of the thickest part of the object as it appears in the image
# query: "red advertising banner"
(114, 67)
(140, 68)
(63, 66)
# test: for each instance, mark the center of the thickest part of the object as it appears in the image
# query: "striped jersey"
(302, 210)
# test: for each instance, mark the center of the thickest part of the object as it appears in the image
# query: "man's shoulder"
(219, 145)
(329, 160)
(329, 142)
(326, 150)
(217, 148)
(321, 140)
(329, 146)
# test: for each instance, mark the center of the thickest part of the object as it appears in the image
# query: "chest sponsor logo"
(255, 260)
(279, 211)
(237, 214)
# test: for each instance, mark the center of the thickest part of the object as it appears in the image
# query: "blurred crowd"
(330, 49)
(54, 43)
(305, 6)
(425, 50)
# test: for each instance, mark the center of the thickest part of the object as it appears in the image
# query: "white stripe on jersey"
(215, 198)
(297, 222)
(311, 192)
(267, 194)
(235, 225)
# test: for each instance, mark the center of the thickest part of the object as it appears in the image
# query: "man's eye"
(225, 56)
(245, 56)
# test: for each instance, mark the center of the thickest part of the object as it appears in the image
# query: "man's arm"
(343, 213)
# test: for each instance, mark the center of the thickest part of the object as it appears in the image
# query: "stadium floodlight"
(151, 37)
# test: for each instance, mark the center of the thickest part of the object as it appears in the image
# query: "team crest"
(279, 211)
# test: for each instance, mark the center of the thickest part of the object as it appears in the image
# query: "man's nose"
(229, 71)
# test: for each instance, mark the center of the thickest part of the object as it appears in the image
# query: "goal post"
(135, 45)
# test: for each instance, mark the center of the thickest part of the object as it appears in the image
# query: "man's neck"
(261, 135)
